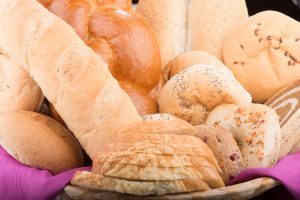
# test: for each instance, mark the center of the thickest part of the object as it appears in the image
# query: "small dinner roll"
(256, 129)
(188, 59)
(194, 92)
(263, 53)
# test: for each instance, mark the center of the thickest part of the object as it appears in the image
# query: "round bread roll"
(188, 59)
(39, 141)
(224, 148)
(263, 53)
(256, 129)
(194, 92)
(17, 90)
(209, 22)
(159, 117)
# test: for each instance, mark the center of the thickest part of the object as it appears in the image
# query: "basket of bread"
(182, 99)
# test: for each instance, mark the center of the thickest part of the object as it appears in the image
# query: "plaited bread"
(39, 141)
(256, 129)
(168, 21)
(225, 149)
(263, 53)
(126, 44)
(194, 92)
(190, 58)
(17, 90)
(286, 105)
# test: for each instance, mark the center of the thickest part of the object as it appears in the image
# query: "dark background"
(284, 6)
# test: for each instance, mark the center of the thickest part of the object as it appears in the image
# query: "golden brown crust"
(119, 44)
(21, 135)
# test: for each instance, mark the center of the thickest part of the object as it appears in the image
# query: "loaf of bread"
(224, 148)
(263, 53)
(127, 44)
(194, 92)
(39, 141)
(256, 129)
(190, 58)
(210, 21)
(168, 21)
(287, 103)
(17, 90)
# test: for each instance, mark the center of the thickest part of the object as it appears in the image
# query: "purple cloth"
(19, 182)
(287, 171)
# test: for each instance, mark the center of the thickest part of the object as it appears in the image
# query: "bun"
(168, 21)
(210, 21)
(224, 148)
(256, 129)
(39, 141)
(194, 92)
(263, 53)
(286, 103)
(17, 90)
(119, 44)
(188, 59)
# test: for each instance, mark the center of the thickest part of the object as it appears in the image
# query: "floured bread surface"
(263, 53)
(18, 91)
(194, 92)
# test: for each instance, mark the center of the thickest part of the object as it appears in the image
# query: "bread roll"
(256, 129)
(17, 90)
(225, 149)
(194, 92)
(169, 23)
(39, 141)
(127, 44)
(209, 22)
(188, 59)
(263, 53)
(286, 104)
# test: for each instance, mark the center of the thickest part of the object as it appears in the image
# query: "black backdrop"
(284, 6)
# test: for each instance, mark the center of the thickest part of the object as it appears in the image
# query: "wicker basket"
(241, 191)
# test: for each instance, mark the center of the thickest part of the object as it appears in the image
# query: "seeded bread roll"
(225, 149)
(194, 92)
(263, 53)
(39, 141)
(256, 129)
(188, 59)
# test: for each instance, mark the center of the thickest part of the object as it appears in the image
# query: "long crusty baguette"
(72, 77)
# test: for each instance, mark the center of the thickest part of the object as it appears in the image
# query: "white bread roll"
(209, 22)
(39, 141)
(256, 129)
(194, 92)
(263, 53)
(17, 90)
(72, 77)
(190, 58)
(168, 21)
